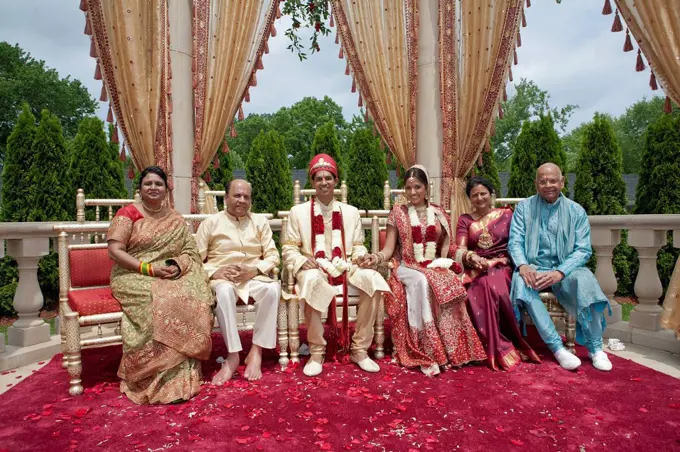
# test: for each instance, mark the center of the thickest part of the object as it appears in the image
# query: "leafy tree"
(527, 102)
(658, 189)
(326, 142)
(601, 190)
(50, 183)
(247, 130)
(15, 174)
(222, 175)
(630, 129)
(367, 172)
(24, 79)
(489, 170)
(268, 171)
(94, 168)
(537, 144)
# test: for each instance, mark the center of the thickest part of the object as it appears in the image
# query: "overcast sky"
(567, 49)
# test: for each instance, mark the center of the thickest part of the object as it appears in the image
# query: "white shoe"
(430, 371)
(567, 360)
(312, 368)
(368, 365)
(601, 361)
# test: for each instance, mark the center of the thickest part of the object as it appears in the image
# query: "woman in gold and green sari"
(164, 293)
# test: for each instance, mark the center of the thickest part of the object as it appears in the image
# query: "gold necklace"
(152, 210)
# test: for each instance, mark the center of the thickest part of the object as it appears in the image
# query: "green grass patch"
(626, 308)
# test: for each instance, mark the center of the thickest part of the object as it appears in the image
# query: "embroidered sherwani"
(557, 237)
(224, 240)
(312, 286)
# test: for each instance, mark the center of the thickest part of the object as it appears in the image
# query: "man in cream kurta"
(312, 285)
(238, 253)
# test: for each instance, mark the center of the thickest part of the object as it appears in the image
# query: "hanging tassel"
(347, 69)
(93, 49)
(616, 26)
(375, 132)
(114, 136)
(332, 24)
(493, 129)
(510, 73)
(246, 95)
(505, 94)
(131, 172)
(241, 117)
(398, 171)
(341, 55)
(361, 102)
(109, 115)
(652, 82)
(272, 31)
(382, 145)
(266, 47)
(524, 19)
(667, 107)
(519, 39)
(232, 132)
(253, 80)
(225, 147)
(88, 27)
(122, 153)
(97, 72)
(366, 116)
(480, 160)
(487, 146)
(260, 65)
(216, 162)
(207, 177)
(500, 111)
(103, 97)
(337, 38)
(514, 57)
(389, 158)
(354, 86)
(528, 3)
(278, 11)
(640, 65)
(83, 5)
(607, 9)
(628, 45)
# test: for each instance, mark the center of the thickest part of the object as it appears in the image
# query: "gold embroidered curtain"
(380, 39)
(655, 24)
(229, 37)
(476, 46)
(130, 42)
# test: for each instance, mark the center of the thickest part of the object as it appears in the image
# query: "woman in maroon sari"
(483, 235)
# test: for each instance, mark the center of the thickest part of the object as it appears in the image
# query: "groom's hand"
(547, 279)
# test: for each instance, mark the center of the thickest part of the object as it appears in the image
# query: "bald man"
(550, 245)
(238, 252)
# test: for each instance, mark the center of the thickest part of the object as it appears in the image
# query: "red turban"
(323, 162)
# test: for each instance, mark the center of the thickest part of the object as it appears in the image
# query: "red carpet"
(537, 407)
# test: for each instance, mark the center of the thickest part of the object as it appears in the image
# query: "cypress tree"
(601, 190)
(367, 171)
(93, 164)
(17, 165)
(326, 142)
(268, 171)
(49, 178)
(489, 170)
(658, 189)
(537, 143)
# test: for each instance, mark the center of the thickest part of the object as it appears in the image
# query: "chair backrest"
(396, 195)
(89, 265)
(103, 210)
(506, 201)
(305, 193)
(207, 199)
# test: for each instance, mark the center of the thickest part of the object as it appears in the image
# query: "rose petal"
(241, 440)
(517, 442)
(643, 410)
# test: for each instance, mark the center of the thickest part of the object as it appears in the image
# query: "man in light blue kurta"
(550, 245)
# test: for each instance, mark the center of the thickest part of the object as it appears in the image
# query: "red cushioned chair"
(85, 299)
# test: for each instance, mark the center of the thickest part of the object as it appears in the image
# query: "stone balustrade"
(30, 341)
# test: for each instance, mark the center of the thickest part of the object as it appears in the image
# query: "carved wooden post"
(296, 193)
(201, 197)
(386, 195)
(648, 289)
(80, 206)
(343, 192)
(603, 241)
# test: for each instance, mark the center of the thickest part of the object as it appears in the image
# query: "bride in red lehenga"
(430, 323)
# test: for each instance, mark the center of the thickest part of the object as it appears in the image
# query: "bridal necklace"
(147, 208)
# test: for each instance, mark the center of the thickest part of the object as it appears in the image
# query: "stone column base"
(24, 337)
(14, 357)
(650, 321)
(617, 314)
(2, 342)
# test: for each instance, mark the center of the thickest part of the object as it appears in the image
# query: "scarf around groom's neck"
(565, 229)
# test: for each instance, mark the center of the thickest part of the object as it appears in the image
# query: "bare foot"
(227, 370)
(253, 364)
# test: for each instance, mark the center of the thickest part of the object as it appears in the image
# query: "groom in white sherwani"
(325, 245)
